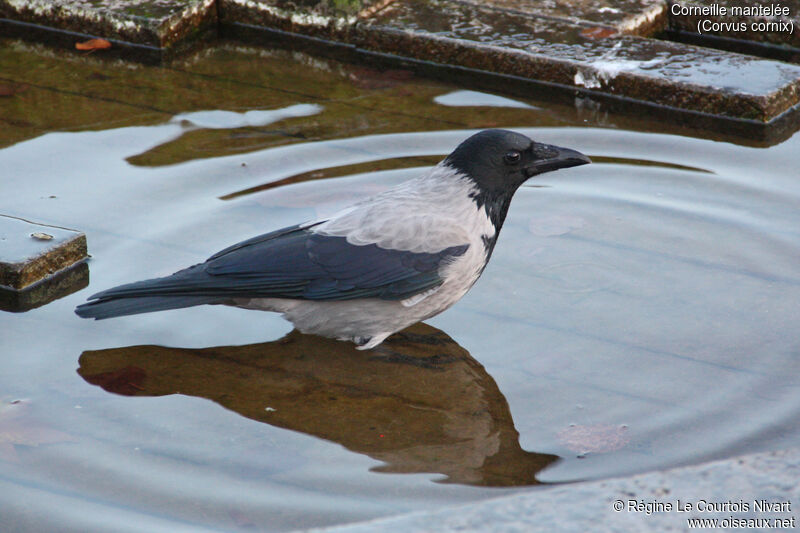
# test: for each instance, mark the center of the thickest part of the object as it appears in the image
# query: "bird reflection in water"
(419, 402)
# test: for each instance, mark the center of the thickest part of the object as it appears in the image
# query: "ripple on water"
(656, 290)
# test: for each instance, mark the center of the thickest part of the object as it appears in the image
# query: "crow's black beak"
(551, 157)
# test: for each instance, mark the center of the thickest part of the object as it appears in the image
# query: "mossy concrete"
(39, 263)
(32, 252)
(53, 287)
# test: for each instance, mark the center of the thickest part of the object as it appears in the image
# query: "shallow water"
(638, 313)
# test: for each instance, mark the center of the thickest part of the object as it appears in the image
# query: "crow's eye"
(512, 157)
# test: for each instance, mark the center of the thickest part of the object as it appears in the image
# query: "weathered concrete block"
(509, 42)
(665, 73)
(633, 17)
(39, 263)
(60, 284)
(329, 19)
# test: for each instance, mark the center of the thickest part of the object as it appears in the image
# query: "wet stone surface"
(636, 17)
(588, 58)
(330, 20)
(675, 75)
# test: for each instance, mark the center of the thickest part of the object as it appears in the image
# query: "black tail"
(172, 292)
(111, 307)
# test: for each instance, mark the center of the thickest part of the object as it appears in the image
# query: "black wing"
(296, 263)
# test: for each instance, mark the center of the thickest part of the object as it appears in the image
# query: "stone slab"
(161, 24)
(716, 491)
(674, 75)
(634, 17)
(576, 57)
(32, 252)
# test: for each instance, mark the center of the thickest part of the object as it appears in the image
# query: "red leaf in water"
(93, 44)
(597, 32)
(126, 381)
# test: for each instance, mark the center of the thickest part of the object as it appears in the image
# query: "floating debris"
(93, 44)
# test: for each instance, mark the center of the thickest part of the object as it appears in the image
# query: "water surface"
(638, 313)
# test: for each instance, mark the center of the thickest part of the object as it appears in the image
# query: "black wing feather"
(296, 263)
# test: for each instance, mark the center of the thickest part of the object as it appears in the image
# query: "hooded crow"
(374, 268)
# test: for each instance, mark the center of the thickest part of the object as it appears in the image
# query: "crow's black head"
(499, 161)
